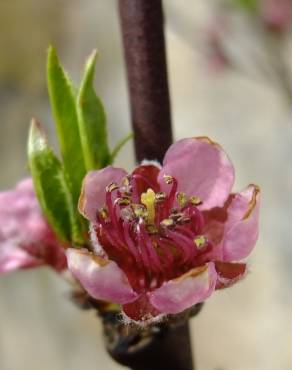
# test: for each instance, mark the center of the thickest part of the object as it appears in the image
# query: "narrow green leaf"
(119, 146)
(249, 5)
(51, 187)
(92, 120)
(65, 115)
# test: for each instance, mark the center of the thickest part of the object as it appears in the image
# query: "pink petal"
(26, 239)
(242, 225)
(13, 258)
(26, 186)
(93, 189)
(276, 14)
(189, 289)
(20, 215)
(229, 273)
(201, 168)
(101, 278)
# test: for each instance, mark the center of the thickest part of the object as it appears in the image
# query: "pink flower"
(164, 238)
(276, 14)
(215, 32)
(26, 240)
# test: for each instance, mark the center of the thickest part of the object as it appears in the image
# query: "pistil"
(148, 199)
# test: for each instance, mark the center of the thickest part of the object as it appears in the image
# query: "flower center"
(153, 236)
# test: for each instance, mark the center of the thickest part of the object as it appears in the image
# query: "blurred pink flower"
(276, 14)
(26, 239)
(214, 33)
(164, 238)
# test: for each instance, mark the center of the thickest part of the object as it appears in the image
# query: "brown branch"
(144, 48)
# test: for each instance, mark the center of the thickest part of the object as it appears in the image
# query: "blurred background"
(230, 79)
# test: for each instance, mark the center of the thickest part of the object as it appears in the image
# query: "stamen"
(183, 220)
(168, 179)
(103, 212)
(197, 219)
(115, 238)
(156, 265)
(183, 243)
(111, 187)
(110, 207)
(126, 186)
(172, 192)
(140, 211)
(151, 229)
(127, 214)
(112, 210)
(126, 181)
(176, 216)
(134, 189)
(182, 199)
(185, 230)
(166, 250)
(167, 222)
(195, 200)
(200, 241)
(160, 196)
(161, 209)
(109, 234)
(131, 245)
(142, 249)
(124, 201)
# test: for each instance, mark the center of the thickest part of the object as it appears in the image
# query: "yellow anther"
(111, 187)
(182, 199)
(195, 200)
(126, 187)
(176, 216)
(183, 220)
(103, 212)
(160, 196)
(139, 210)
(152, 229)
(123, 201)
(200, 241)
(126, 181)
(168, 179)
(167, 222)
(148, 199)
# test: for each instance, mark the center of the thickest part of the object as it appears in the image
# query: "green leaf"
(92, 120)
(64, 111)
(52, 187)
(249, 5)
(119, 146)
